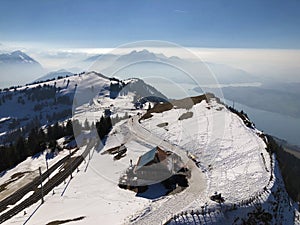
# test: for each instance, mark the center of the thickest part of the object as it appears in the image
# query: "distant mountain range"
(145, 63)
(21, 67)
(17, 57)
(17, 68)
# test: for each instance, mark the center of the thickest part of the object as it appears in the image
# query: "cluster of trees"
(16, 129)
(115, 88)
(52, 79)
(118, 118)
(289, 166)
(63, 100)
(38, 140)
(42, 81)
(15, 122)
(39, 92)
(103, 126)
(40, 106)
(21, 100)
(67, 113)
(10, 88)
(243, 116)
(5, 97)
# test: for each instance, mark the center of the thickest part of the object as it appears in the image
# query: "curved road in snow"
(162, 211)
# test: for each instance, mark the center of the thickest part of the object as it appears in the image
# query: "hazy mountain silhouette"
(18, 68)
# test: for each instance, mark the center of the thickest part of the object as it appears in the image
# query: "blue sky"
(220, 24)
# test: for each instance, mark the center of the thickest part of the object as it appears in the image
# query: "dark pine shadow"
(37, 155)
(50, 155)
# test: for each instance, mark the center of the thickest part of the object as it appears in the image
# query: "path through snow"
(197, 184)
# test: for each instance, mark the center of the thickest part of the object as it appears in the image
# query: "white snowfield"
(232, 161)
(93, 193)
(229, 152)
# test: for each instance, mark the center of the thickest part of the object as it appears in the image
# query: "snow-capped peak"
(17, 57)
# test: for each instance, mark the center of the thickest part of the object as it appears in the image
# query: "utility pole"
(42, 189)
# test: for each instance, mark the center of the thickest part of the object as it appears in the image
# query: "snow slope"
(235, 161)
(98, 176)
(93, 192)
(25, 113)
(232, 160)
(228, 151)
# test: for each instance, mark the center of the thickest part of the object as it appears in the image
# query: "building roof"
(147, 157)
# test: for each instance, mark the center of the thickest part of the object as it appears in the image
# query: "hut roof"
(147, 157)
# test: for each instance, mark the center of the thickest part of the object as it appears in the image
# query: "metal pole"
(48, 175)
(42, 189)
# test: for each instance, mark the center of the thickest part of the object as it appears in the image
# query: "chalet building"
(153, 167)
(157, 165)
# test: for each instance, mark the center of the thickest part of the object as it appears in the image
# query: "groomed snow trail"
(197, 184)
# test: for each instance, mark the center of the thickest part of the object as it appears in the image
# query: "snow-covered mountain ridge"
(231, 157)
(45, 102)
(16, 57)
